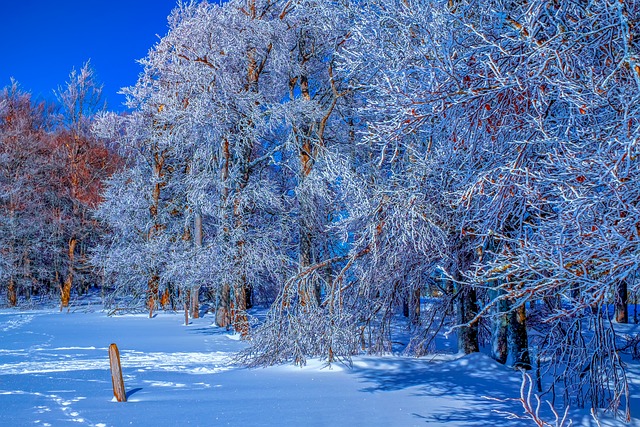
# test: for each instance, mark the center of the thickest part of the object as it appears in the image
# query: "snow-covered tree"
(51, 177)
(212, 90)
(25, 151)
(86, 163)
(355, 156)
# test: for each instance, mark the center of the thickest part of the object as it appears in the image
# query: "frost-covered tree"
(501, 98)
(552, 89)
(25, 150)
(51, 177)
(317, 118)
(352, 157)
(135, 209)
(386, 229)
(537, 97)
(86, 162)
(212, 90)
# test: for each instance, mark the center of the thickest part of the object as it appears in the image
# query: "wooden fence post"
(116, 374)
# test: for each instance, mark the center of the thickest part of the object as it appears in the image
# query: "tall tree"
(215, 126)
(25, 174)
(87, 162)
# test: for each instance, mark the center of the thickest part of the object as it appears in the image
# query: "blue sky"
(42, 40)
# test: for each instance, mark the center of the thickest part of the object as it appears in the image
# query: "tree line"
(52, 171)
(469, 164)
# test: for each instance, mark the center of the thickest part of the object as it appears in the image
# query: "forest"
(465, 167)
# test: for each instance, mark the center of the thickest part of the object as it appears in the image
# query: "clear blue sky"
(42, 40)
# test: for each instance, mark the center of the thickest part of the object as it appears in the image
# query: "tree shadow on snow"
(458, 389)
(132, 392)
(208, 330)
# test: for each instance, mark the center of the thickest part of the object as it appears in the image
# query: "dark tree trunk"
(519, 337)
(249, 296)
(467, 306)
(468, 309)
(621, 302)
(499, 344)
(411, 306)
(415, 319)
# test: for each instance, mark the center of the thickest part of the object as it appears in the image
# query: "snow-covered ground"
(54, 372)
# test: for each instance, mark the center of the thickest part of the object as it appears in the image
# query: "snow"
(54, 371)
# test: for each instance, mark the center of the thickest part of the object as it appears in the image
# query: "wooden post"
(116, 374)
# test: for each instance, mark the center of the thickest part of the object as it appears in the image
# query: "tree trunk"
(165, 299)
(195, 303)
(186, 308)
(223, 306)
(195, 291)
(621, 302)
(307, 161)
(519, 338)
(153, 284)
(12, 294)
(499, 340)
(65, 292)
(415, 319)
(468, 309)
(467, 304)
(152, 293)
(306, 259)
(223, 293)
(249, 296)
(240, 319)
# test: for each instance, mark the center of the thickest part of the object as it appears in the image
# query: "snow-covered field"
(54, 372)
